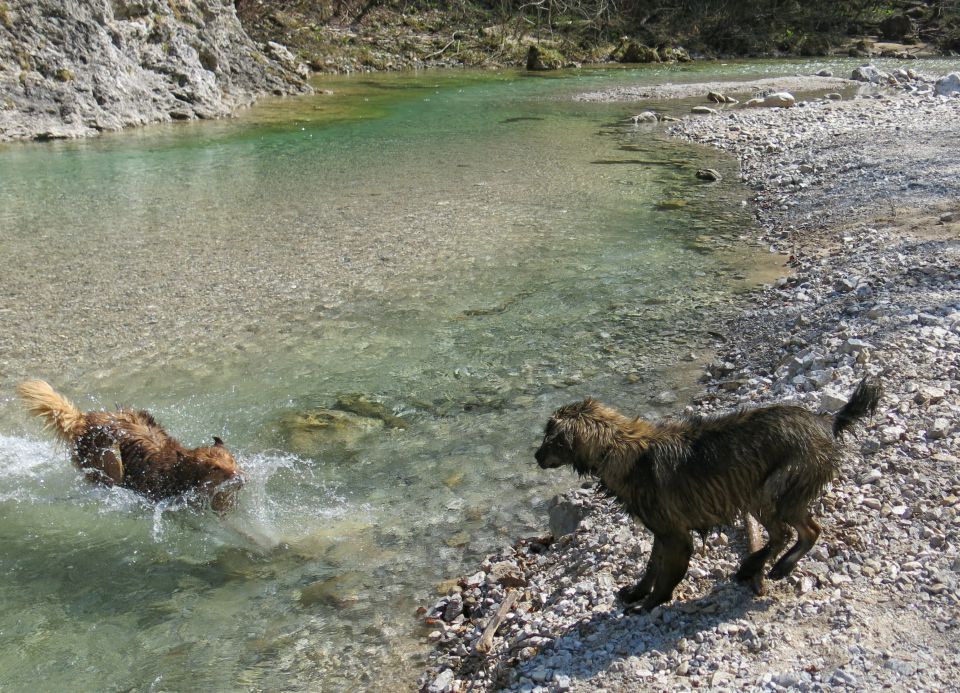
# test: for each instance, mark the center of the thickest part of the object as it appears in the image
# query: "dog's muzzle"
(545, 459)
(224, 495)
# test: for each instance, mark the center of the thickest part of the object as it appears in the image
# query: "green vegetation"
(341, 34)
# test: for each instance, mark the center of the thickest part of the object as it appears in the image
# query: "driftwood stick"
(754, 544)
(452, 41)
(485, 643)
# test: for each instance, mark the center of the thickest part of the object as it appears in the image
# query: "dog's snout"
(545, 459)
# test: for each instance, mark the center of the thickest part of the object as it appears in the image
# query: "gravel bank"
(686, 91)
(862, 200)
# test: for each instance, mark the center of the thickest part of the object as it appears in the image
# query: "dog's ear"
(217, 442)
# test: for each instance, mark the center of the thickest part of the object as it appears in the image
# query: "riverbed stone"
(948, 85)
(565, 515)
(334, 591)
(443, 682)
(309, 432)
(709, 174)
(362, 405)
(868, 73)
(779, 99)
(645, 117)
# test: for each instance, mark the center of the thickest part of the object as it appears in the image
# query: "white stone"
(442, 683)
(948, 85)
(780, 99)
(940, 429)
(869, 73)
(831, 401)
(645, 117)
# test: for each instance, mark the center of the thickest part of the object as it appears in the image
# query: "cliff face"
(71, 69)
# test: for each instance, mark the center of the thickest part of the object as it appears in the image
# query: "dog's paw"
(632, 594)
(651, 603)
(777, 572)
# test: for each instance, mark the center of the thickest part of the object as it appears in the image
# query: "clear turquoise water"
(471, 250)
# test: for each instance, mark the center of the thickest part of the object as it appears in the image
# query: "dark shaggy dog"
(128, 448)
(694, 474)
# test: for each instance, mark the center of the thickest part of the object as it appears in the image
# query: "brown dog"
(694, 474)
(128, 448)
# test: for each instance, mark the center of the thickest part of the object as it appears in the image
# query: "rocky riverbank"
(859, 198)
(76, 69)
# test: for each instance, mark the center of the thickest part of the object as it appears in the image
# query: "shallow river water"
(468, 250)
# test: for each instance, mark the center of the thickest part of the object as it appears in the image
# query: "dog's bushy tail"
(57, 411)
(863, 401)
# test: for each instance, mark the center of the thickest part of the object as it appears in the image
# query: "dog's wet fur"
(685, 475)
(129, 448)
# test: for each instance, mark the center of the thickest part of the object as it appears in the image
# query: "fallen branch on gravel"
(485, 643)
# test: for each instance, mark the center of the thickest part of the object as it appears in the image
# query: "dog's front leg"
(634, 593)
(676, 549)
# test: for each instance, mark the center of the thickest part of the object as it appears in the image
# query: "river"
(468, 250)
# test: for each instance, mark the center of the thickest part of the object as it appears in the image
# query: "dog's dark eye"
(554, 439)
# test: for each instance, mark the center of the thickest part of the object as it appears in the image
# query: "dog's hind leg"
(674, 560)
(98, 454)
(753, 564)
(634, 593)
(808, 531)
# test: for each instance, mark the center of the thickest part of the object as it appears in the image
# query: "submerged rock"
(362, 405)
(308, 432)
(335, 591)
(645, 117)
(709, 174)
(354, 416)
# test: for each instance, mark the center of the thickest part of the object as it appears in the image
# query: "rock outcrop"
(76, 69)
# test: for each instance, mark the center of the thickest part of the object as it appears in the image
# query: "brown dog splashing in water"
(128, 448)
(694, 474)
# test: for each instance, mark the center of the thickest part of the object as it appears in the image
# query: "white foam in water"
(23, 456)
(268, 518)
(29, 468)
(39, 471)
(263, 519)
